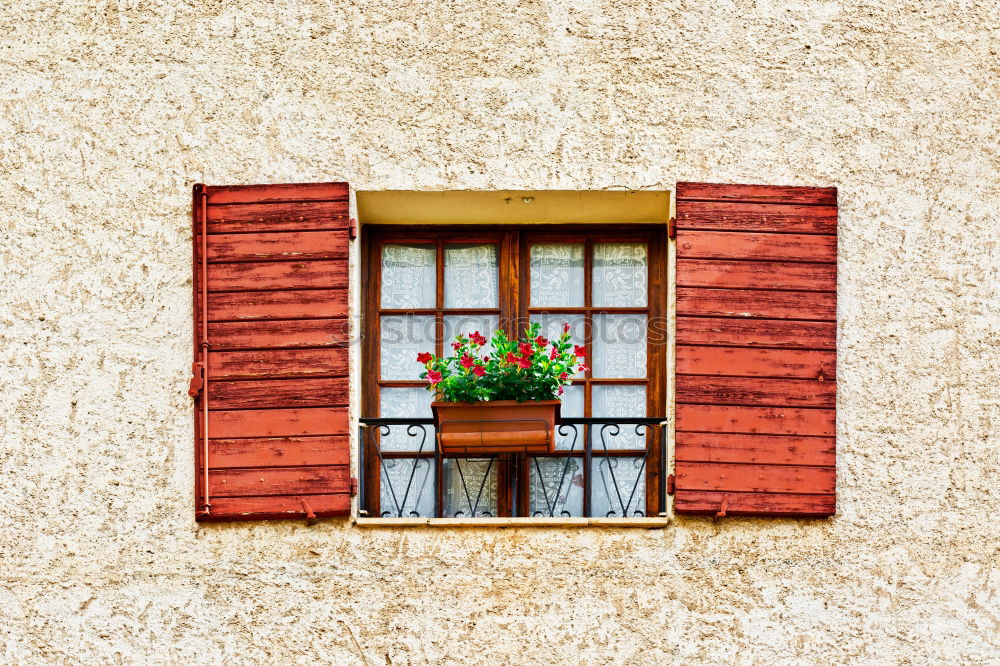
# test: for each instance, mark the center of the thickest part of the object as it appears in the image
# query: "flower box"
(498, 426)
(506, 401)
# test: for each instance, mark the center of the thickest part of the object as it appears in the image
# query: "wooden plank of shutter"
(749, 333)
(276, 306)
(277, 246)
(265, 334)
(755, 362)
(756, 275)
(756, 350)
(759, 303)
(763, 247)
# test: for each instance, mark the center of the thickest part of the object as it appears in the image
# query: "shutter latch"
(721, 513)
(310, 514)
(197, 379)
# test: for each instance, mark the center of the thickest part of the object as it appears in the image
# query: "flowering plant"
(532, 368)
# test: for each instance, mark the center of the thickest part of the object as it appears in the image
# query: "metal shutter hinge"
(671, 484)
(672, 228)
(352, 229)
(197, 379)
(354, 486)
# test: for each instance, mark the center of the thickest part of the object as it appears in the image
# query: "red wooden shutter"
(272, 330)
(756, 350)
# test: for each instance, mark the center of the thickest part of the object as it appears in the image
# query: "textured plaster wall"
(111, 109)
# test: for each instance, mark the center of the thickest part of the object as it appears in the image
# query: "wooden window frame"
(514, 241)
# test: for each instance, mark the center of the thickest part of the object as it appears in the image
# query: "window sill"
(642, 523)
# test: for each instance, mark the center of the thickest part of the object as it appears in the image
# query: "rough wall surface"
(111, 109)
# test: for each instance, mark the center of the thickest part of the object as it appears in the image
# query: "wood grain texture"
(277, 246)
(763, 449)
(746, 303)
(269, 394)
(278, 271)
(691, 502)
(762, 420)
(260, 276)
(282, 333)
(283, 216)
(751, 362)
(264, 481)
(268, 194)
(755, 246)
(698, 389)
(277, 422)
(783, 218)
(777, 194)
(279, 451)
(302, 304)
(756, 350)
(277, 363)
(759, 333)
(277, 507)
(739, 477)
(756, 275)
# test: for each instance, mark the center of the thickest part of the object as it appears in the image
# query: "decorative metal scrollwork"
(599, 479)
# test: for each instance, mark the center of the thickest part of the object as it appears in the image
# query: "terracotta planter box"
(500, 426)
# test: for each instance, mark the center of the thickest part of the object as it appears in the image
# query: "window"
(755, 419)
(424, 287)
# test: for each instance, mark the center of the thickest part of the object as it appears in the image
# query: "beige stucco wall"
(111, 109)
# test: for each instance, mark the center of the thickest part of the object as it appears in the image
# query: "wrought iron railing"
(593, 453)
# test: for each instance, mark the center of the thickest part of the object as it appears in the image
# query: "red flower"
(579, 351)
(566, 327)
(560, 392)
(511, 358)
(456, 345)
(554, 354)
(524, 361)
(582, 368)
(424, 357)
(486, 359)
(479, 371)
(564, 375)
(526, 349)
(477, 339)
(467, 361)
(540, 341)
(433, 377)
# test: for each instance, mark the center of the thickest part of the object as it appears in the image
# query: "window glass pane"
(619, 401)
(402, 338)
(470, 276)
(558, 490)
(552, 327)
(409, 276)
(557, 275)
(407, 487)
(619, 346)
(464, 324)
(618, 486)
(571, 436)
(406, 403)
(620, 275)
(463, 479)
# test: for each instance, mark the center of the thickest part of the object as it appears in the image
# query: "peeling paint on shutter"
(271, 357)
(756, 341)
